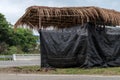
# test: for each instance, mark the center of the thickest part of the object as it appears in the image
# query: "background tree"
(22, 40)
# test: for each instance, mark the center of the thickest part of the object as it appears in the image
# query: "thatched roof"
(39, 16)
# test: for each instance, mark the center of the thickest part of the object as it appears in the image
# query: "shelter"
(81, 39)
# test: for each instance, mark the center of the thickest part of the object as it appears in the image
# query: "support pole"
(39, 29)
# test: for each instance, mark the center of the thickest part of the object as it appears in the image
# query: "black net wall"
(82, 46)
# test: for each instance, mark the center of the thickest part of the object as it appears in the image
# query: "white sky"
(14, 9)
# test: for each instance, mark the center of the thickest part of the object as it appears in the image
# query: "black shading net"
(83, 46)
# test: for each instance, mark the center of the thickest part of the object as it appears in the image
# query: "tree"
(3, 33)
(22, 38)
(26, 39)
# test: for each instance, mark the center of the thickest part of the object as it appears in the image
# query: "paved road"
(19, 63)
(55, 77)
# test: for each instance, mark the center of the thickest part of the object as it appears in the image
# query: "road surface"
(19, 63)
(55, 77)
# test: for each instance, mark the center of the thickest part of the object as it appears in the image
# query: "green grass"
(37, 70)
(5, 59)
(99, 71)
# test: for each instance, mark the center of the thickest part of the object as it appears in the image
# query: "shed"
(81, 38)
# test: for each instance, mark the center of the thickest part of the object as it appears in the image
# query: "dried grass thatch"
(39, 16)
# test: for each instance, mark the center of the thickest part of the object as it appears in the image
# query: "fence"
(6, 57)
(26, 57)
(20, 57)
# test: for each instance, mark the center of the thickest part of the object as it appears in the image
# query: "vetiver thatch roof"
(39, 16)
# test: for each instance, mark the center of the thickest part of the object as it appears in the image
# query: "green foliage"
(12, 50)
(11, 42)
(3, 47)
(5, 30)
(25, 39)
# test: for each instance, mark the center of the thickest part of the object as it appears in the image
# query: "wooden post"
(39, 30)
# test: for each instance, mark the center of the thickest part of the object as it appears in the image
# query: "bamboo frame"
(71, 16)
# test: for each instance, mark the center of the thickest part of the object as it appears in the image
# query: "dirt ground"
(27, 70)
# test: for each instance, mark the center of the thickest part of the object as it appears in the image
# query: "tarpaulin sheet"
(81, 46)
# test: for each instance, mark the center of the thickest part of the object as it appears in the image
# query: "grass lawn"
(37, 70)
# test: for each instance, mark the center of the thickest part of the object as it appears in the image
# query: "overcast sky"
(13, 9)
